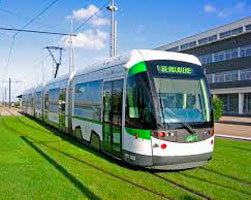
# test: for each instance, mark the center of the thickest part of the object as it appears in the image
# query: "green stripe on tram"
(138, 68)
(144, 134)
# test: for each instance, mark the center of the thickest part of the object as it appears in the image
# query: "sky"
(143, 24)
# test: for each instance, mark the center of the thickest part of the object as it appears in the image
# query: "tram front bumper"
(180, 162)
(168, 162)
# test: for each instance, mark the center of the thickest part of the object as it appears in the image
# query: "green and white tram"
(149, 108)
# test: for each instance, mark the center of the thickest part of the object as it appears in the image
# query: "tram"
(149, 108)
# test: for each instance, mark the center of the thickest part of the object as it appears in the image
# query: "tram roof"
(129, 59)
(28, 91)
(139, 55)
(58, 79)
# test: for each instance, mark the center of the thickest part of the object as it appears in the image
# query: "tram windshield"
(182, 100)
(166, 92)
(181, 91)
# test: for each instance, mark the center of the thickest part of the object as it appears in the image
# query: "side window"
(62, 98)
(54, 100)
(38, 100)
(139, 107)
(87, 101)
(117, 94)
(107, 101)
(30, 100)
(113, 102)
(46, 100)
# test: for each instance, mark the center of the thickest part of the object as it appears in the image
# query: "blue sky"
(141, 24)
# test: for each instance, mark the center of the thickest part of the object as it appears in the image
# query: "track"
(158, 175)
(198, 194)
(213, 183)
(226, 176)
(157, 194)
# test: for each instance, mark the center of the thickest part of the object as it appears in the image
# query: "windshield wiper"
(185, 125)
(188, 128)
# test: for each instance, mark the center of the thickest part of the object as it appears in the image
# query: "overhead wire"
(95, 14)
(45, 32)
(35, 31)
(82, 24)
(16, 14)
(26, 25)
(88, 19)
(38, 15)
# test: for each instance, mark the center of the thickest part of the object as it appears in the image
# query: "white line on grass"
(233, 137)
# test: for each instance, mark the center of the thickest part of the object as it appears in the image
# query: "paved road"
(236, 119)
(234, 126)
(233, 130)
(4, 111)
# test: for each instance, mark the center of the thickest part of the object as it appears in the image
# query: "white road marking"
(233, 137)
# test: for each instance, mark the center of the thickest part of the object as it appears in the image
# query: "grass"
(40, 163)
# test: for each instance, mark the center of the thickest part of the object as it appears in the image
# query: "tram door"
(112, 116)
(62, 97)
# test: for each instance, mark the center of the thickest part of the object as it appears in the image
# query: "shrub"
(218, 108)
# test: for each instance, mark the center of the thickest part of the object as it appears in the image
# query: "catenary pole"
(5, 94)
(71, 67)
(9, 92)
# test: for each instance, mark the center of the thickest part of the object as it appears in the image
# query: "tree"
(218, 108)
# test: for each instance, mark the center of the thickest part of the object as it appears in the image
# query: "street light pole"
(113, 35)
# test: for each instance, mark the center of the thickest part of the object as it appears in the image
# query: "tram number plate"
(192, 138)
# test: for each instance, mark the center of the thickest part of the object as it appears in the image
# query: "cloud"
(210, 8)
(240, 7)
(100, 21)
(84, 13)
(224, 13)
(89, 39)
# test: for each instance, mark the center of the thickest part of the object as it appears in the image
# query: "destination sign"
(173, 69)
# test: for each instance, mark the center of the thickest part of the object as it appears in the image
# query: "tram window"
(30, 100)
(87, 100)
(117, 95)
(46, 100)
(182, 100)
(88, 92)
(54, 100)
(139, 107)
(38, 100)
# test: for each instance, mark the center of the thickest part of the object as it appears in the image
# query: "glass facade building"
(225, 53)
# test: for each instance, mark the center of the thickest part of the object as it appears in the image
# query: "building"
(225, 52)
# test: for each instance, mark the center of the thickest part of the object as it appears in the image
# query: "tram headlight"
(171, 134)
(156, 134)
(162, 134)
(211, 132)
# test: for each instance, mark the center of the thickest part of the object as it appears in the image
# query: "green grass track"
(37, 162)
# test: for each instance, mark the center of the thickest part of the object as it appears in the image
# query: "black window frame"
(146, 119)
